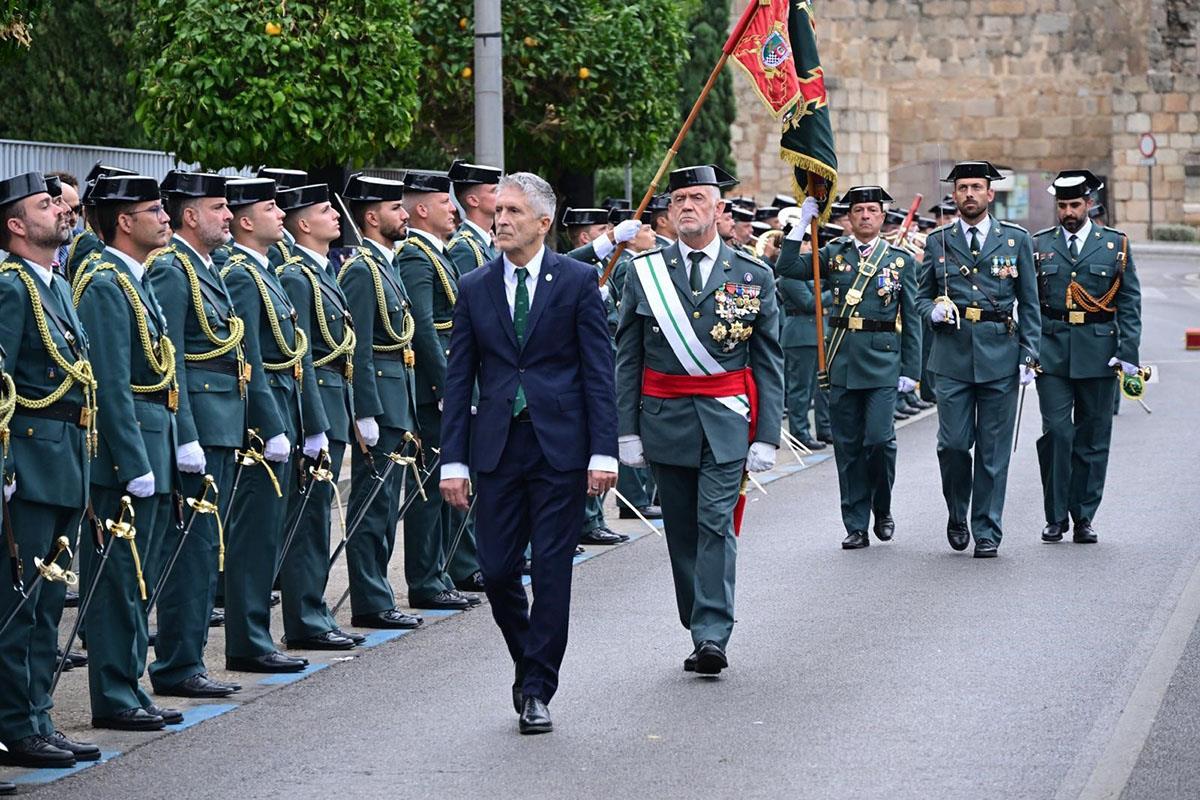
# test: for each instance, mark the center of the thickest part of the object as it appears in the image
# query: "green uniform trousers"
(977, 416)
(118, 634)
(305, 571)
(697, 506)
(864, 446)
(800, 387)
(636, 484)
(593, 514)
(186, 601)
(427, 526)
(374, 539)
(464, 560)
(1073, 449)
(29, 647)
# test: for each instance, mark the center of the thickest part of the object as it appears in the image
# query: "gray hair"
(536, 191)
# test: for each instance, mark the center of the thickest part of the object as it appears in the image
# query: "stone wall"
(1035, 85)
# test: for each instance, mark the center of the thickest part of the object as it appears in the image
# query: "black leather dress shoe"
(649, 512)
(602, 535)
(391, 619)
(826, 437)
(472, 599)
(132, 719)
(535, 717)
(812, 444)
(67, 666)
(445, 599)
(710, 659)
(271, 662)
(196, 686)
(958, 535)
(471, 583)
(7, 788)
(986, 549)
(83, 751)
(74, 659)
(171, 716)
(1083, 532)
(897, 415)
(216, 619)
(923, 404)
(856, 540)
(357, 638)
(1053, 532)
(885, 527)
(37, 752)
(329, 640)
(689, 663)
(912, 411)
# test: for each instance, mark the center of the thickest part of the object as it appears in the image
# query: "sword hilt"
(127, 531)
(50, 569)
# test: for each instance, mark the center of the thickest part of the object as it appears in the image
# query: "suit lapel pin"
(747, 277)
(549, 277)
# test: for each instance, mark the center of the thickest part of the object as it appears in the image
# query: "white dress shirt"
(710, 250)
(259, 258)
(486, 235)
(381, 251)
(136, 267)
(45, 274)
(1081, 236)
(437, 243)
(984, 226)
(597, 462)
(869, 245)
(322, 261)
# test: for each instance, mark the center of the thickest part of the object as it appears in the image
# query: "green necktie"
(695, 278)
(974, 240)
(520, 317)
(1074, 246)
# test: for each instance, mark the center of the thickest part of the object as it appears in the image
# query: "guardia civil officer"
(284, 179)
(1091, 325)
(699, 326)
(474, 187)
(976, 270)
(87, 242)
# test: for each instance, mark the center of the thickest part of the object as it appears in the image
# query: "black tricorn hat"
(248, 191)
(618, 215)
(826, 234)
(704, 175)
(760, 228)
(866, 194)
(973, 169)
(894, 217)
(1071, 184)
(659, 203)
(193, 184)
(54, 185)
(366, 189)
(100, 169)
(925, 223)
(765, 213)
(465, 174)
(1096, 211)
(418, 180)
(743, 201)
(584, 216)
(741, 213)
(125, 189)
(284, 178)
(839, 208)
(302, 197)
(944, 206)
(18, 187)
(616, 202)
(784, 201)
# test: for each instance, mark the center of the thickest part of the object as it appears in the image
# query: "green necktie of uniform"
(520, 317)
(974, 240)
(695, 278)
(1074, 247)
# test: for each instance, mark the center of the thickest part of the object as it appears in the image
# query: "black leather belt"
(167, 398)
(1077, 317)
(860, 324)
(226, 365)
(975, 314)
(62, 411)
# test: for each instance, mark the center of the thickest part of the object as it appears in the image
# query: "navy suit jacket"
(566, 368)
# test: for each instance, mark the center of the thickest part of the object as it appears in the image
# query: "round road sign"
(1148, 145)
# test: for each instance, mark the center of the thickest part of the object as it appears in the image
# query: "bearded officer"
(1091, 302)
(474, 188)
(699, 332)
(975, 270)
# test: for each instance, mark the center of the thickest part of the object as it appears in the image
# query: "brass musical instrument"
(788, 217)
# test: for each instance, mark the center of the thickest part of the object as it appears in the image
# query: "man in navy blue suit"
(530, 328)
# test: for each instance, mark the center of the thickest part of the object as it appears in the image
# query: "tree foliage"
(304, 83)
(15, 24)
(708, 142)
(585, 82)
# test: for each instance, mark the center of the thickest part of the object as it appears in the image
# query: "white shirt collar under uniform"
(259, 258)
(206, 260)
(429, 237)
(381, 251)
(510, 278)
(1081, 235)
(871, 245)
(136, 267)
(484, 234)
(984, 226)
(45, 274)
(322, 261)
(711, 251)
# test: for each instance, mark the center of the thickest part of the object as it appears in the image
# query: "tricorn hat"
(365, 189)
(18, 187)
(973, 169)
(302, 197)
(284, 178)
(248, 191)
(704, 175)
(125, 189)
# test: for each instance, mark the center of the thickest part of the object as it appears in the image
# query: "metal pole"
(489, 84)
(629, 178)
(1150, 192)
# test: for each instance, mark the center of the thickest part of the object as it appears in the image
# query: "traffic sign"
(1148, 145)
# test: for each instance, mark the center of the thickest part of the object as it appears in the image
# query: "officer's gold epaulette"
(1044, 231)
(1008, 224)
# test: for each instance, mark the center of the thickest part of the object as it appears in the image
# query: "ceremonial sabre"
(317, 474)
(48, 569)
(199, 505)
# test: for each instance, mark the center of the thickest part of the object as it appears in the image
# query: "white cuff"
(628, 437)
(602, 246)
(455, 471)
(599, 463)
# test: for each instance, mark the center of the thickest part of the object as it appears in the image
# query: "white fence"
(17, 157)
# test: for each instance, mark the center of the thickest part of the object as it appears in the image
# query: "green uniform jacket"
(432, 284)
(979, 352)
(1083, 351)
(82, 246)
(212, 410)
(51, 466)
(865, 359)
(137, 436)
(384, 388)
(279, 253)
(468, 250)
(616, 281)
(798, 307)
(333, 393)
(674, 430)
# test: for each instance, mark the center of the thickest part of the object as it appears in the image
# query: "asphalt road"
(901, 671)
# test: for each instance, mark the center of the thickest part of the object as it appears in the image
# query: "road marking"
(1153, 293)
(1194, 291)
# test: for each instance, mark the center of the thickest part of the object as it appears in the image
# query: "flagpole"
(814, 241)
(738, 31)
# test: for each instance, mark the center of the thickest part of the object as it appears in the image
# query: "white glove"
(142, 486)
(1126, 367)
(368, 429)
(809, 210)
(602, 246)
(943, 313)
(314, 444)
(190, 458)
(1027, 374)
(277, 449)
(625, 231)
(905, 385)
(630, 451)
(761, 457)
(604, 293)
(10, 489)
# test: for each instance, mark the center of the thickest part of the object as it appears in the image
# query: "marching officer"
(975, 270)
(699, 330)
(134, 362)
(432, 283)
(323, 312)
(873, 349)
(798, 336)
(475, 188)
(277, 416)
(49, 461)
(1091, 303)
(212, 373)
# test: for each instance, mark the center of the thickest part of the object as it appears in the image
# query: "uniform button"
(521, 370)
(696, 315)
(1072, 274)
(975, 270)
(379, 373)
(976, 288)
(434, 388)
(320, 381)
(206, 386)
(29, 432)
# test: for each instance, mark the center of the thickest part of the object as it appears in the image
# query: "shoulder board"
(1044, 231)
(1005, 223)
(1117, 231)
(648, 253)
(942, 228)
(752, 259)
(900, 250)
(840, 240)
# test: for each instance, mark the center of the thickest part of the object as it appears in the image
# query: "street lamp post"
(489, 84)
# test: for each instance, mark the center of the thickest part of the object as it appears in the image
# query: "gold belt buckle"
(1076, 318)
(855, 323)
(85, 417)
(853, 297)
(173, 400)
(973, 314)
